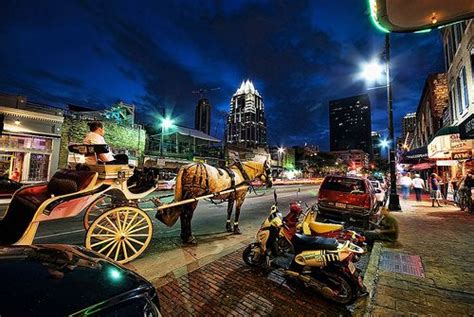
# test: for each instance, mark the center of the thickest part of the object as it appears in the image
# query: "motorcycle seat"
(321, 227)
(304, 242)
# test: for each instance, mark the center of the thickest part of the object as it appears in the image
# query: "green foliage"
(119, 137)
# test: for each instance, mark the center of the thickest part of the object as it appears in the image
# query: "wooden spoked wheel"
(122, 233)
(95, 209)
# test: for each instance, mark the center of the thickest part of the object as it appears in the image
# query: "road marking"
(60, 234)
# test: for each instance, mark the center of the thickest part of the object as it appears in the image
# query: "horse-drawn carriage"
(115, 224)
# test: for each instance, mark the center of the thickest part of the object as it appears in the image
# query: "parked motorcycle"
(323, 264)
(310, 227)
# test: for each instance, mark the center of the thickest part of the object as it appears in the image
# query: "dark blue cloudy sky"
(299, 54)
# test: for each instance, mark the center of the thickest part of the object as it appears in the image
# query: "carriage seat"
(27, 200)
(105, 171)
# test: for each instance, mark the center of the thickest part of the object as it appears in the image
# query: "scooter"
(310, 227)
(323, 264)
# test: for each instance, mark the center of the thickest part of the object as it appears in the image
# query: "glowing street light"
(384, 143)
(166, 123)
(372, 71)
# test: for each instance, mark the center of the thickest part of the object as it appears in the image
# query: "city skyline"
(294, 53)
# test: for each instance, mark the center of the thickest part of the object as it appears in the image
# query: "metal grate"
(402, 263)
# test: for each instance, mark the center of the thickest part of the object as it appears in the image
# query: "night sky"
(299, 54)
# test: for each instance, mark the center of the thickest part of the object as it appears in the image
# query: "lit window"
(465, 93)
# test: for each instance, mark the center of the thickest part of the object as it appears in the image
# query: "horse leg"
(185, 219)
(230, 206)
(239, 201)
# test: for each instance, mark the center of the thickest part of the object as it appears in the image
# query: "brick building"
(429, 114)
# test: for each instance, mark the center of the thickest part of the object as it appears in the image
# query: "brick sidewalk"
(228, 287)
(443, 238)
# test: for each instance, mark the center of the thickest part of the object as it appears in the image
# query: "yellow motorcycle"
(321, 263)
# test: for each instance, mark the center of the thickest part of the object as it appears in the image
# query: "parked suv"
(348, 198)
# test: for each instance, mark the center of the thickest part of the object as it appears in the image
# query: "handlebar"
(351, 247)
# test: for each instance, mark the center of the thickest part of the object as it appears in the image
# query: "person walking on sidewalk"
(406, 184)
(418, 186)
(435, 193)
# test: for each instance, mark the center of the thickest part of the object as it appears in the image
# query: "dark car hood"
(46, 280)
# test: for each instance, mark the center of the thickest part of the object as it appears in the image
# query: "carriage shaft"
(191, 200)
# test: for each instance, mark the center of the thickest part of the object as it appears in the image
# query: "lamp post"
(373, 72)
(166, 123)
(281, 150)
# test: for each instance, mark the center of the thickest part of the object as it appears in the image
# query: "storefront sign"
(443, 146)
(446, 163)
(466, 128)
(464, 155)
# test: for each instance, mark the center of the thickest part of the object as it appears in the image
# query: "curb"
(363, 307)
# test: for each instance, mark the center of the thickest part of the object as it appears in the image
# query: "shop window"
(459, 95)
(464, 90)
(472, 65)
(39, 165)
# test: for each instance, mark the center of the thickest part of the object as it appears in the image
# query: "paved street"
(208, 226)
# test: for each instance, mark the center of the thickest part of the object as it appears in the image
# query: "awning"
(466, 128)
(446, 131)
(422, 166)
(418, 153)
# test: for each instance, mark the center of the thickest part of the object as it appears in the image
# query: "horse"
(198, 179)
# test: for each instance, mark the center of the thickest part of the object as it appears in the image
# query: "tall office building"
(202, 116)
(408, 128)
(246, 124)
(350, 124)
(376, 148)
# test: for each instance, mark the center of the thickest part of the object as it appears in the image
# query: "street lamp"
(384, 143)
(370, 75)
(166, 123)
(281, 150)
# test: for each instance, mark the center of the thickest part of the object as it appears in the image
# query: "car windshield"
(375, 184)
(345, 185)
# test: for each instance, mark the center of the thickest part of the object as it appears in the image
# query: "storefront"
(29, 144)
(453, 156)
(450, 152)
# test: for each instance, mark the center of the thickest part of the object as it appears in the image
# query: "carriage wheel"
(121, 233)
(95, 209)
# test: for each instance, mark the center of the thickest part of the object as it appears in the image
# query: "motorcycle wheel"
(253, 255)
(339, 288)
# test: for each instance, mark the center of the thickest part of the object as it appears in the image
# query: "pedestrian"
(406, 183)
(418, 186)
(435, 193)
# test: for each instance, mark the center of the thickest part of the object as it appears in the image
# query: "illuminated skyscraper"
(246, 124)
